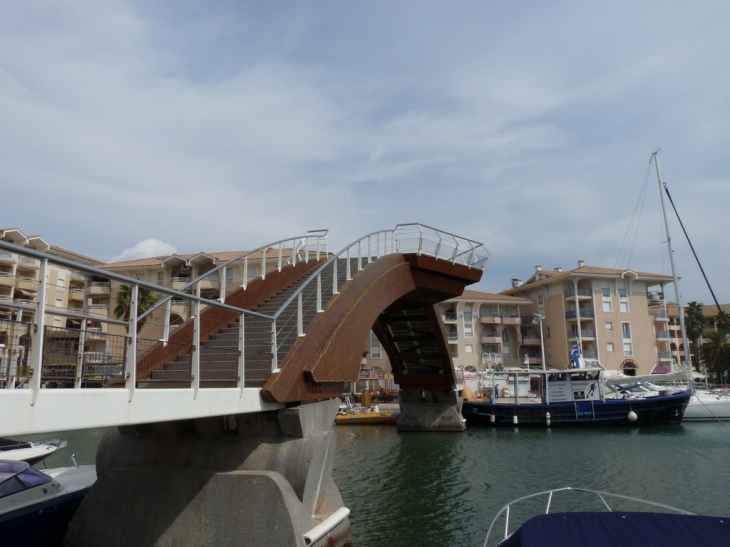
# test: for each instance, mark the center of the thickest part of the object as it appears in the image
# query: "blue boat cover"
(624, 529)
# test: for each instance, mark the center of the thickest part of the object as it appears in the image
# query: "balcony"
(662, 335)
(665, 356)
(491, 338)
(26, 284)
(534, 359)
(99, 310)
(449, 316)
(8, 258)
(531, 340)
(27, 262)
(211, 281)
(452, 337)
(6, 280)
(178, 282)
(585, 334)
(490, 319)
(511, 320)
(76, 295)
(582, 294)
(661, 316)
(98, 288)
(572, 315)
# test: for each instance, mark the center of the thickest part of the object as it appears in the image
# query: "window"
(56, 321)
(609, 325)
(468, 348)
(158, 320)
(606, 292)
(609, 346)
(229, 277)
(59, 304)
(623, 298)
(626, 330)
(547, 332)
(467, 312)
(375, 349)
(468, 330)
(61, 284)
(607, 306)
(139, 276)
(160, 278)
(627, 349)
(505, 336)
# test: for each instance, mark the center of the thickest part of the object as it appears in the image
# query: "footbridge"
(234, 399)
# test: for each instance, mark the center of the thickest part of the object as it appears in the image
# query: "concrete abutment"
(430, 410)
(250, 479)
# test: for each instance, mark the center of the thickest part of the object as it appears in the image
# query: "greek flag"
(575, 354)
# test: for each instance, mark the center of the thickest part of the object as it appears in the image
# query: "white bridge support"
(256, 479)
(430, 410)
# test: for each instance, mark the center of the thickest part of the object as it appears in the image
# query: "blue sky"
(135, 128)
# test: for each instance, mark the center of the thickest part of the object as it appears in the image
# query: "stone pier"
(258, 479)
(430, 410)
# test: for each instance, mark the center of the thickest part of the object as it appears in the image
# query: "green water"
(442, 489)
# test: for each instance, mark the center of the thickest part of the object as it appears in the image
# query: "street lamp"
(537, 319)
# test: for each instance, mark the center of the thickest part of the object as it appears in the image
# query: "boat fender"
(491, 418)
(514, 419)
(547, 418)
(632, 416)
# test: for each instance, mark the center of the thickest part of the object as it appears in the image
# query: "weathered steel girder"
(394, 296)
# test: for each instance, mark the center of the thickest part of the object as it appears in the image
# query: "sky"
(135, 128)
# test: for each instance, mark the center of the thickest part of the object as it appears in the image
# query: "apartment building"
(619, 318)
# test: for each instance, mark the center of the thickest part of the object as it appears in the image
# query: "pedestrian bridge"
(291, 334)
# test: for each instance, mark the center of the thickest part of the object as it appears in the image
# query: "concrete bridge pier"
(257, 479)
(430, 410)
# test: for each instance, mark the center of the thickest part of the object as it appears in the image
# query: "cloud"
(145, 249)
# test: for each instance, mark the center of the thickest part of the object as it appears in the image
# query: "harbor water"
(443, 489)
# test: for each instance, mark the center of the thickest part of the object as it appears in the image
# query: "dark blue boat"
(577, 397)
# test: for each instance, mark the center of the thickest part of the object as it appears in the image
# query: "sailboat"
(703, 405)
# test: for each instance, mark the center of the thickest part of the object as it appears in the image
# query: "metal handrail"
(602, 496)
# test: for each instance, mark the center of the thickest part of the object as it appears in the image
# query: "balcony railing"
(584, 314)
(570, 293)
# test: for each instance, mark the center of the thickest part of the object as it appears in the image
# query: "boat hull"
(611, 412)
(368, 418)
(702, 408)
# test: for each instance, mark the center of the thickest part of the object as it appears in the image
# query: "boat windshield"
(19, 476)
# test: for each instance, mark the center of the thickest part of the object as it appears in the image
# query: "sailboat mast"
(662, 186)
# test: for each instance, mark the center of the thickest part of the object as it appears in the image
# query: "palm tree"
(145, 300)
(694, 324)
(716, 353)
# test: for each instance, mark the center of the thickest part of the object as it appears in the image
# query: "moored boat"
(28, 451)
(35, 506)
(571, 397)
(578, 516)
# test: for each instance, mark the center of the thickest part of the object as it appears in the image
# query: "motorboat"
(579, 396)
(28, 451)
(350, 414)
(578, 516)
(36, 506)
(706, 405)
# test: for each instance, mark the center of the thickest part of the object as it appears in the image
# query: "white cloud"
(145, 249)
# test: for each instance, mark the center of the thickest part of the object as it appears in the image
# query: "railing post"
(80, 356)
(263, 263)
(39, 331)
(294, 252)
(244, 281)
(166, 321)
(241, 355)
(334, 277)
(278, 265)
(300, 320)
(348, 275)
(130, 366)
(224, 288)
(274, 351)
(359, 255)
(306, 250)
(319, 293)
(195, 353)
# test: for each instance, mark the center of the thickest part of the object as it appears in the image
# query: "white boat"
(36, 506)
(705, 406)
(578, 516)
(28, 451)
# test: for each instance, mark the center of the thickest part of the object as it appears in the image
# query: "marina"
(443, 489)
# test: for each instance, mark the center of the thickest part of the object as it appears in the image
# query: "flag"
(575, 354)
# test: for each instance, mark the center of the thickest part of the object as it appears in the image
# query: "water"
(442, 489)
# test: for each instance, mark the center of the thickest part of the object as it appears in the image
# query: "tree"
(145, 300)
(716, 354)
(694, 324)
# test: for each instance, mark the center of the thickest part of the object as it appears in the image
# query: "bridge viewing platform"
(233, 378)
